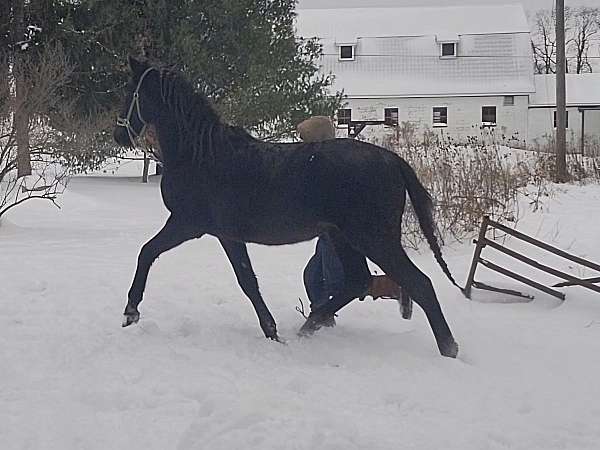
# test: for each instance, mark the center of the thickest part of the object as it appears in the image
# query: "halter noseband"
(135, 102)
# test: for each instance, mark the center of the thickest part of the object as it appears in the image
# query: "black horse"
(220, 180)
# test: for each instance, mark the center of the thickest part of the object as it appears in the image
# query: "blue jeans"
(323, 275)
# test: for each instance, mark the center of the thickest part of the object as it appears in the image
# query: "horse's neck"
(216, 150)
(168, 138)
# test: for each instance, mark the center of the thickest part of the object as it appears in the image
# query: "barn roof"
(398, 54)
(582, 90)
(347, 24)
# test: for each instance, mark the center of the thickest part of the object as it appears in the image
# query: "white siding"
(582, 90)
(464, 114)
(541, 126)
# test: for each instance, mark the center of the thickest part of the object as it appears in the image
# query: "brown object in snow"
(384, 286)
(315, 129)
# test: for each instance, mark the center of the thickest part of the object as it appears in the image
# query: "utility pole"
(561, 111)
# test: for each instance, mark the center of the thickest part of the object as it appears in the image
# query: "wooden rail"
(482, 242)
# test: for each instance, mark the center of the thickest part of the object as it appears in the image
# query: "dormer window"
(448, 43)
(346, 53)
(448, 49)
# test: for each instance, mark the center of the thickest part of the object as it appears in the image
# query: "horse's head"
(143, 103)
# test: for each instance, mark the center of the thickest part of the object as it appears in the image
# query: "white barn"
(456, 69)
(583, 110)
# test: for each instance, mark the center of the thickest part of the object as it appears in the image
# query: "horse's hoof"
(270, 331)
(309, 328)
(449, 348)
(276, 338)
(406, 308)
(130, 318)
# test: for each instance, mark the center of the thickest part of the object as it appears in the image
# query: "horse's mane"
(202, 134)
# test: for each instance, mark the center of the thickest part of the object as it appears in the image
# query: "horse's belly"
(278, 233)
(279, 240)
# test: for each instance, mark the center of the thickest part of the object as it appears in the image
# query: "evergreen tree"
(246, 58)
(241, 53)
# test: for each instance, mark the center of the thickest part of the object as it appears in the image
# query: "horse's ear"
(137, 66)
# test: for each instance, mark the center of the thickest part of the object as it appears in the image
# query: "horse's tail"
(423, 206)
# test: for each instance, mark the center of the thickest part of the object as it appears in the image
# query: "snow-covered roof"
(397, 50)
(582, 90)
(347, 24)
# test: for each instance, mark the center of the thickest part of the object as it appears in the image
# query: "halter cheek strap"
(135, 104)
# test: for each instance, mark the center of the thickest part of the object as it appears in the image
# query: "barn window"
(390, 116)
(347, 52)
(448, 49)
(344, 116)
(488, 116)
(440, 116)
(509, 100)
(566, 120)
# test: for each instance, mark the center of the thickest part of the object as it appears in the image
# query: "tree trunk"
(146, 167)
(5, 15)
(146, 48)
(21, 121)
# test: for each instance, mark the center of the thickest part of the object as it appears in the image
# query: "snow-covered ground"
(196, 372)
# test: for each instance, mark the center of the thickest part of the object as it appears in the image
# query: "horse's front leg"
(170, 236)
(238, 257)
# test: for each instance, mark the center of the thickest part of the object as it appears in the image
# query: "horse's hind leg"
(394, 261)
(170, 236)
(238, 257)
(357, 278)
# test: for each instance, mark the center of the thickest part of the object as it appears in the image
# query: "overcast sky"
(530, 5)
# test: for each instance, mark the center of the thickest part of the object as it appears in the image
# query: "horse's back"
(349, 159)
(345, 180)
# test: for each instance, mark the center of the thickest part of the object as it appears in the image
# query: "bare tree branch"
(582, 34)
(57, 134)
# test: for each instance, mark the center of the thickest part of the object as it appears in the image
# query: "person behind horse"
(324, 274)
